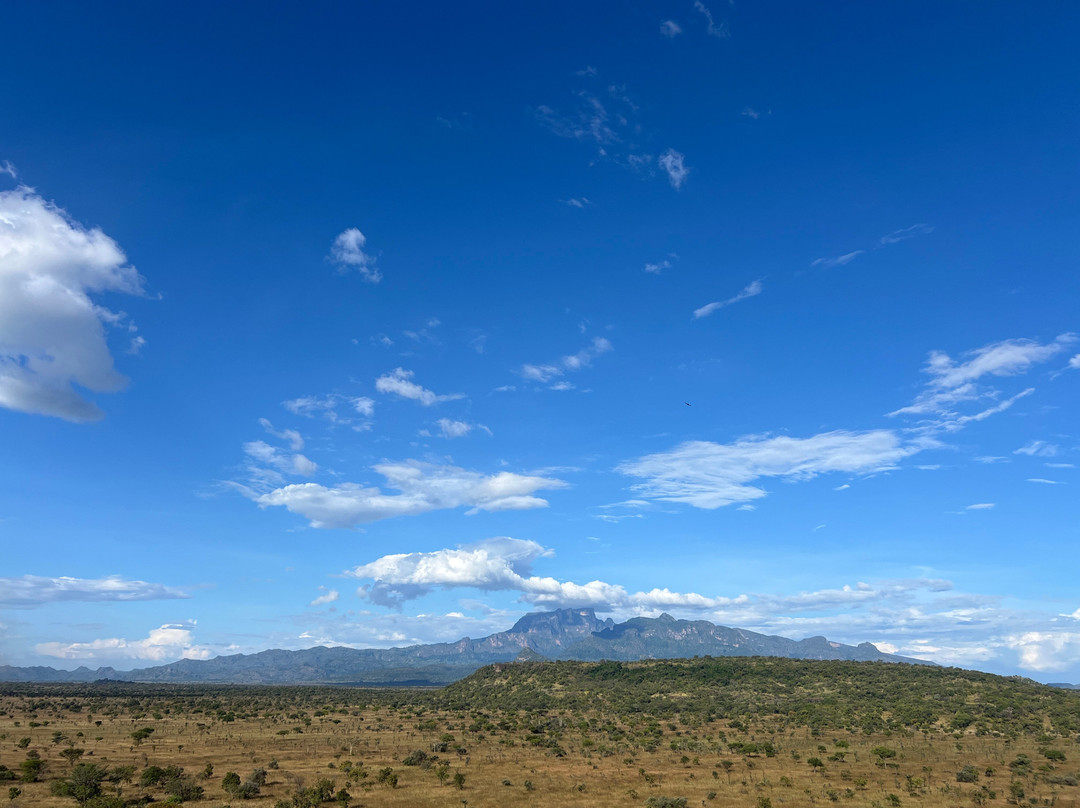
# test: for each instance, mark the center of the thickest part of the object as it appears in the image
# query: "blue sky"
(373, 324)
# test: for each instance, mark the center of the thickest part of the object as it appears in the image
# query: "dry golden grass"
(605, 762)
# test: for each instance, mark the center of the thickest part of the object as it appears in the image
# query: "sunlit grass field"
(300, 746)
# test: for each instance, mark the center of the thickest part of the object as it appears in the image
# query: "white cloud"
(719, 30)
(1039, 448)
(328, 596)
(1044, 481)
(674, 165)
(953, 382)
(1009, 357)
(329, 407)
(670, 29)
(347, 252)
(52, 334)
(458, 429)
(7, 168)
(274, 458)
(573, 362)
(423, 487)
(577, 202)
(980, 506)
(1046, 650)
(658, 267)
(906, 233)
(35, 590)
(170, 642)
(295, 439)
(399, 382)
(591, 122)
(712, 475)
(750, 112)
(505, 564)
(1074, 363)
(750, 290)
(838, 261)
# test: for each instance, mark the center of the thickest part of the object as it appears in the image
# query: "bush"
(665, 802)
(968, 774)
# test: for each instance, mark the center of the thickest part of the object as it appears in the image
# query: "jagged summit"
(570, 634)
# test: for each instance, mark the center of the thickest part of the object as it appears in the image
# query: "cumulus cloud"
(750, 290)
(674, 165)
(52, 333)
(399, 383)
(1074, 363)
(348, 253)
(572, 362)
(328, 596)
(712, 475)
(422, 487)
(167, 643)
(35, 590)
(506, 564)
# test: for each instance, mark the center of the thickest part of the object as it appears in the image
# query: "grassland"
(735, 732)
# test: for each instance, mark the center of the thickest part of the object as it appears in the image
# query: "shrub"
(968, 774)
(665, 802)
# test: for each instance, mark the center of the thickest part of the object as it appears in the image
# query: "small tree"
(72, 755)
(459, 779)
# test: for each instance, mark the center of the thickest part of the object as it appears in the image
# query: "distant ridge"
(564, 634)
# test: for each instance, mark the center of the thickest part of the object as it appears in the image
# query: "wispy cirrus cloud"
(955, 382)
(712, 475)
(422, 487)
(607, 118)
(336, 408)
(545, 373)
(752, 289)
(895, 237)
(29, 591)
(720, 30)
(53, 341)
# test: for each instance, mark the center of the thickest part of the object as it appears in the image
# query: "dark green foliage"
(417, 758)
(84, 783)
(665, 802)
(968, 774)
(32, 769)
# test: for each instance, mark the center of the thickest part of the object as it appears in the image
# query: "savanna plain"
(754, 732)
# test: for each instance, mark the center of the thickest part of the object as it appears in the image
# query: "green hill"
(836, 695)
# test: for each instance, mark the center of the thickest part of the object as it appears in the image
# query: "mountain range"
(564, 634)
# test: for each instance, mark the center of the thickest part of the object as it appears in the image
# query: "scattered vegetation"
(664, 734)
